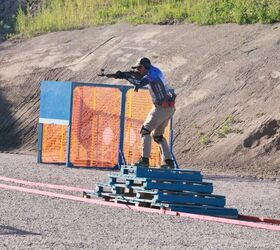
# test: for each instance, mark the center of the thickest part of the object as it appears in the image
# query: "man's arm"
(134, 78)
(139, 83)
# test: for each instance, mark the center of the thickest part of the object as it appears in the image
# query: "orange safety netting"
(54, 143)
(95, 126)
(138, 105)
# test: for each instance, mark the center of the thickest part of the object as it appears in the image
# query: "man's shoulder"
(154, 71)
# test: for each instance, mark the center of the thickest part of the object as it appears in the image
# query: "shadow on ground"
(7, 230)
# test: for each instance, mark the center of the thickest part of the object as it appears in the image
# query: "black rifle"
(106, 75)
(132, 76)
(122, 74)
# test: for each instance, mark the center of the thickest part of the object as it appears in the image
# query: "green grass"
(222, 131)
(202, 137)
(72, 14)
(226, 127)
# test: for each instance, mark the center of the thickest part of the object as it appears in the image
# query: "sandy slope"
(216, 70)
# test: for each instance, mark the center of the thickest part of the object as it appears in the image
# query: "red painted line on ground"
(46, 185)
(232, 221)
(258, 219)
(150, 210)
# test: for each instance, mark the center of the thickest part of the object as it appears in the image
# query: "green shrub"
(204, 139)
(225, 128)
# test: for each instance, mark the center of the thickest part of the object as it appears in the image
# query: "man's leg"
(146, 148)
(146, 142)
(152, 121)
(159, 138)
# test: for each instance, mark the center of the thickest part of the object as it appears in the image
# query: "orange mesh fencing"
(95, 130)
(138, 105)
(54, 143)
(95, 126)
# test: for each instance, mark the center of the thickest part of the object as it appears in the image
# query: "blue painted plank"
(204, 210)
(131, 169)
(199, 187)
(190, 198)
(177, 174)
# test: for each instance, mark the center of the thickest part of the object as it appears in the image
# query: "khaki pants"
(156, 122)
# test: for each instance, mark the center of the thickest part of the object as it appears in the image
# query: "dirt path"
(31, 221)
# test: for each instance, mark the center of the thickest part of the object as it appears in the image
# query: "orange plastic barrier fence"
(95, 126)
(95, 129)
(138, 105)
(54, 143)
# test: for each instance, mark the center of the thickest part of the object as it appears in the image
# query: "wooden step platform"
(176, 190)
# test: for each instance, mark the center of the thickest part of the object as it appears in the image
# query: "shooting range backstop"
(93, 125)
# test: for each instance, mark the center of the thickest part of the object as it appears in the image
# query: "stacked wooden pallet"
(177, 190)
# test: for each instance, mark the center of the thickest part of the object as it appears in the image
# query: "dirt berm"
(218, 72)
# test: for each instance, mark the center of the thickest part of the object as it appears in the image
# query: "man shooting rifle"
(163, 98)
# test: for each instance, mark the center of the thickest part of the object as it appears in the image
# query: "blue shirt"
(156, 83)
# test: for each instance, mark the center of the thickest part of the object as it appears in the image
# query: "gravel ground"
(30, 221)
